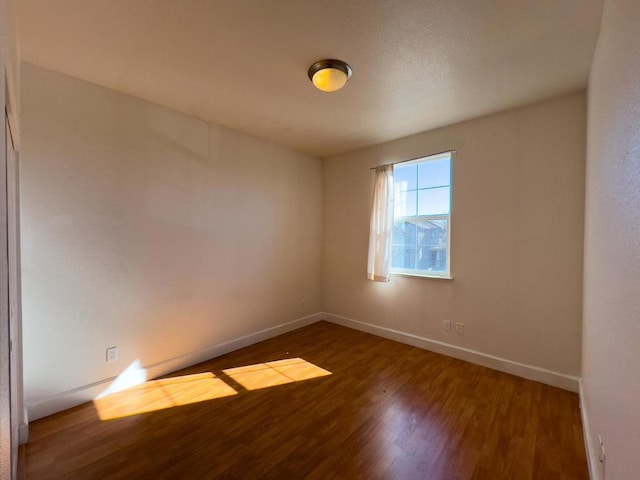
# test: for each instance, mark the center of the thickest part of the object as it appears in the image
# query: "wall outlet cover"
(112, 354)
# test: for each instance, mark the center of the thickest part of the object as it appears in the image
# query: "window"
(421, 230)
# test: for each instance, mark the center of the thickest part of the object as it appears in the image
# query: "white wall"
(152, 231)
(517, 237)
(611, 336)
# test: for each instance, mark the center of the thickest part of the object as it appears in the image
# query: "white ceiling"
(418, 64)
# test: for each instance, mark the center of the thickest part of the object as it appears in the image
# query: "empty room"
(286, 239)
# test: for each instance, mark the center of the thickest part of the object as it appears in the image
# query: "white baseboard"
(542, 375)
(23, 428)
(23, 433)
(592, 460)
(86, 393)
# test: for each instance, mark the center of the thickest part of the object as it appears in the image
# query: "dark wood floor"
(386, 411)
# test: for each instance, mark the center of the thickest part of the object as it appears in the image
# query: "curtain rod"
(452, 150)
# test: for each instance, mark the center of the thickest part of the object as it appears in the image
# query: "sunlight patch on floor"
(127, 395)
(161, 394)
(270, 374)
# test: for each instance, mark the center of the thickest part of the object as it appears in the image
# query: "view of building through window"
(422, 194)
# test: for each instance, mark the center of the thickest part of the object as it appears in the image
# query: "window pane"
(405, 177)
(434, 201)
(404, 233)
(403, 257)
(432, 245)
(436, 173)
(422, 207)
(405, 203)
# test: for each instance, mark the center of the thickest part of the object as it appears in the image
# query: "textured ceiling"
(418, 64)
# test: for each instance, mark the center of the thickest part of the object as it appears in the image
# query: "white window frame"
(445, 275)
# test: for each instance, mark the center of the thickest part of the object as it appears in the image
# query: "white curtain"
(381, 225)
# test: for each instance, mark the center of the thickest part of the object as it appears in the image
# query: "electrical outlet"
(460, 328)
(112, 354)
(446, 325)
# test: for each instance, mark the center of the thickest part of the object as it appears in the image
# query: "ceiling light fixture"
(329, 75)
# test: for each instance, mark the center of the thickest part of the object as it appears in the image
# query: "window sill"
(428, 277)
